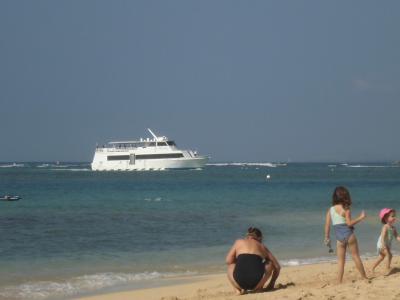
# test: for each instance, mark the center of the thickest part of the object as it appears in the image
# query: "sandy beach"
(301, 282)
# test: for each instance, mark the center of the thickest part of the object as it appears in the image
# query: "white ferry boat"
(158, 153)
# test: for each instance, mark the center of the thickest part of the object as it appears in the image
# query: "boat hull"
(153, 164)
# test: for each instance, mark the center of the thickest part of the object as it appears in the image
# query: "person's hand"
(327, 243)
(270, 286)
(363, 215)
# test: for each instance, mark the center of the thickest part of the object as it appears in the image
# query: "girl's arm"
(351, 222)
(327, 226)
(231, 256)
(383, 236)
(396, 234)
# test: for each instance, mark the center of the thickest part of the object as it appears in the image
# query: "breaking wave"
(256, 164)
(372, 166)
(71, 169)
(42, 290)
(14, 165)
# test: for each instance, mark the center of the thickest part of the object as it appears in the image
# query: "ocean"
(77, 232)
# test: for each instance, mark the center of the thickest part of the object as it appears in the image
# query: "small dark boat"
(10, 198)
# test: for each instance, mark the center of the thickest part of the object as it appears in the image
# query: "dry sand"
(299, 283)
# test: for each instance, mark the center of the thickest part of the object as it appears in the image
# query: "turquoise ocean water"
(77, 232)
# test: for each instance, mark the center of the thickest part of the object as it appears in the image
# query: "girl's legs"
(341, 255)
(389, 255)
(355, 254)
(381, 257)
(237, 288)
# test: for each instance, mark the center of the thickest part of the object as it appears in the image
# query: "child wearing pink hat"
(388, 218)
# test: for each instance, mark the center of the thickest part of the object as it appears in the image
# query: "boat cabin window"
(144, 144)
(158, 156)
(118, 157)
(171, 143)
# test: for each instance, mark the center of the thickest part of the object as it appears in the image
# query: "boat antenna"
(152, 133)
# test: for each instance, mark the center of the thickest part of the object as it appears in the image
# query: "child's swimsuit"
(342, 230)
(388, 240)
(249, 270)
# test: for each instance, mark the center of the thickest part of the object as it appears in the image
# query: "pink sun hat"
(384, 212)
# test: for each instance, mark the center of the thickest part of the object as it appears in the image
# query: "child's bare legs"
(389, 255)
(355, 254)
(237, 288)
(341, 255)
(381, 257)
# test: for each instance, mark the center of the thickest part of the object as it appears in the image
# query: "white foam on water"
(156, 199)
(61, 166)
(307, 261)
(258, 164)
(370, 166)
(323, 259)
(72, 169)
(43, 166)
(83, 284)
(14, 165)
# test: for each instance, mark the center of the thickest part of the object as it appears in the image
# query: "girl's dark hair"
(341, 196)
(254, 232)
(386, 216)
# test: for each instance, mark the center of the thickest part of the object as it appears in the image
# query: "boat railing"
(111, 149)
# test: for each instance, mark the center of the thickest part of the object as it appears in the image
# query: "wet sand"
(316, 281)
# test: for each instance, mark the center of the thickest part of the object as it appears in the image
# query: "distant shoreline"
(394, 161)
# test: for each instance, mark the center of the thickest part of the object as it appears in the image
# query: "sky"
(241, 81)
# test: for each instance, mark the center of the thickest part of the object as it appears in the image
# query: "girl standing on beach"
(339, 215)
(388, 232)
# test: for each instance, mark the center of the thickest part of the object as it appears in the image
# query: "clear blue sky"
(236, 80)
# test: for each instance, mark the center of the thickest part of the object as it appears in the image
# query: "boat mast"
(152, 133)
(155, 137)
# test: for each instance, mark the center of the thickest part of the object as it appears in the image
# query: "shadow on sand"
(393, 271)
(279, 286)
